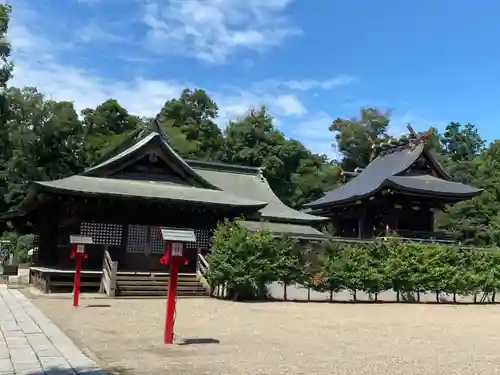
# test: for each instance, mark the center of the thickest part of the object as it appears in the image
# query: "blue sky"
(431, 62)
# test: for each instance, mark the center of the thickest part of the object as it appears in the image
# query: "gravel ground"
(283, 338)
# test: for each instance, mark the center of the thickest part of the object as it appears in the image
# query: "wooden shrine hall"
(123, 202)
(397, 194)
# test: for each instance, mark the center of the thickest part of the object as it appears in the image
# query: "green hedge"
(407, 267)
(245, 262)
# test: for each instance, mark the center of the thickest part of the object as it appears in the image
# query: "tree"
(354, 137)
(104, 128)
(189, 123)
(242, 261)
(314, 176)
(46, 139)
(6, 68)
(462, 143)
(477, 221)
(289, 265)
(333, 266)
(253, 141)
(402, 267)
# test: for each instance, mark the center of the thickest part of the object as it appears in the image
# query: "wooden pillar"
(361, 226)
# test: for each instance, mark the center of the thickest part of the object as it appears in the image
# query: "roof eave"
(437, 194)
(65, 191)
(311, 220)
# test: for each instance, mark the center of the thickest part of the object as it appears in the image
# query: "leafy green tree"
(314, 176)
(402, 267)
(18, 245)
(289, 265)
(354, 260)
(288, 166)
(333, 266)
(354, 137)
(189, 122)
(46, 138)
(241, 260)
(439, 269)
(462, 143)
(477, 221)
(372, 267)
(6, 68)
(104, 128)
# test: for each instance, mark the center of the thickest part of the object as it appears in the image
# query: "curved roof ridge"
(256, 187)
(373, 176)
(223, 166)
(101, 169)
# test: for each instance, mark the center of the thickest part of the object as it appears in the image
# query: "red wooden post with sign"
(78, 254)
(173, 255)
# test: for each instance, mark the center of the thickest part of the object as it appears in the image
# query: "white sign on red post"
(177, 249)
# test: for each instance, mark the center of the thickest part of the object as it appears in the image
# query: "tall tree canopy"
(189, 123)
(354, 137)
(46, 139)
(104, 127)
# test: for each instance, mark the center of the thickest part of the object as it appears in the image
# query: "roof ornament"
(154, 126)
(261, 174)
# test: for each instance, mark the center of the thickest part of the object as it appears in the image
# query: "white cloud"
(92, 31)
(314, 133)
(41, 61)
(212, 30)
(328, 84)
(401, 119)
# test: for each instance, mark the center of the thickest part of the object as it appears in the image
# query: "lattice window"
(103, 234)
(137, 240)
(203, 240)
(156, 241)
(142, 239)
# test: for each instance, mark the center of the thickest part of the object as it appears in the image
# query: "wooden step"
(158, 293)
(180, 288)
(71, 283)
(154, 282)
(156, 278)
(158, 296)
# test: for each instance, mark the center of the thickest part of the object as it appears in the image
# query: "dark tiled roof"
(153, 141)
(301, 232)
(248, 182)
(210, 183)
(148, 189)
(434, 185)
(384, 171)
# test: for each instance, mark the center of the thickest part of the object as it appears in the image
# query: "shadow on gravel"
(199, 341)
(70, 371)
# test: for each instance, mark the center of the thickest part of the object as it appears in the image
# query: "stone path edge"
(32, 344)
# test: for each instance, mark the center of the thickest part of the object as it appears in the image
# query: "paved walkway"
(30, 344)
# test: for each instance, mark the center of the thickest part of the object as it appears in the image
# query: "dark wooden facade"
(124, 201)
(127, 228)
(397, 194)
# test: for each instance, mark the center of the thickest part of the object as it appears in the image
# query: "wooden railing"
(109, 270)
(202, 271)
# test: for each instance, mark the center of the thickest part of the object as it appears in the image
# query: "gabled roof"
(250, 183)
(153, 143)
(214, 184)
(147, 189)
(240, 181)
(388, 170)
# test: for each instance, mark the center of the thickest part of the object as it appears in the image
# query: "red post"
(171, 297)
(76, 287)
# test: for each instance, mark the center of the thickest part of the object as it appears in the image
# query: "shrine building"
(124, 201)
(397, 194)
